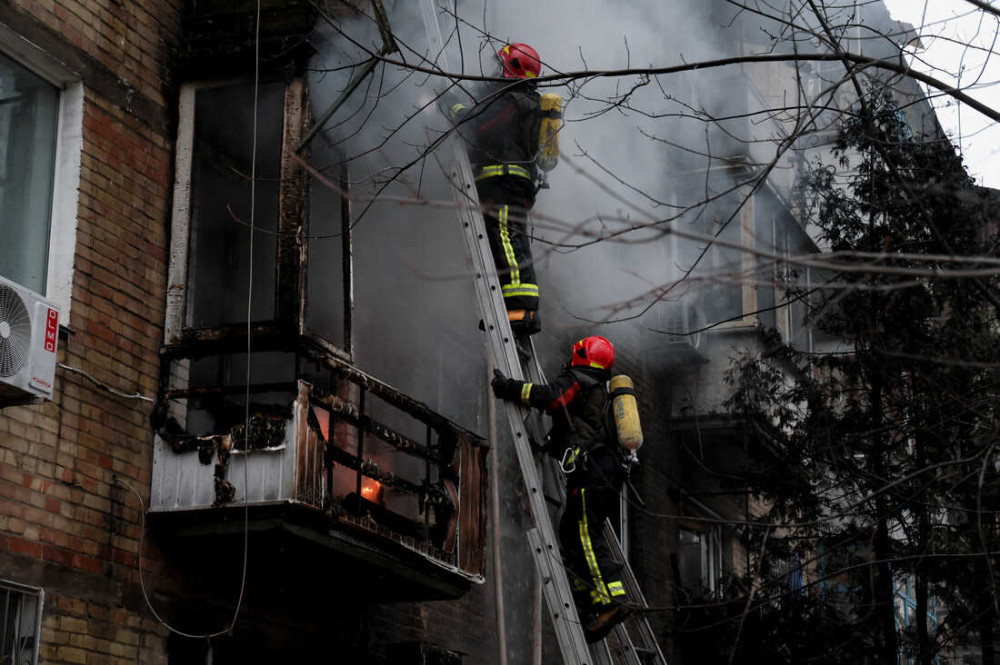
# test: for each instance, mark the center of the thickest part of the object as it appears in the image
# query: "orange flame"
(371, 490)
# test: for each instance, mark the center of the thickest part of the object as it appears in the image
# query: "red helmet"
(593, 351)
(519, 61)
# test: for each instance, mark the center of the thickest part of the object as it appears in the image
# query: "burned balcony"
(266, 423)
(330, 460)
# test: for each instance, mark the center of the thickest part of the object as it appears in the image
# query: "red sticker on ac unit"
(51, 330)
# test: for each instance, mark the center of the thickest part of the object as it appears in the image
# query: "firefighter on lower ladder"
(512, 132)
(594, 436)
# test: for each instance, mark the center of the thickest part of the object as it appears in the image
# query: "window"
(20, 623)
(41, 120)
(216, 200)
(699, 558)
(28, 122)
(221, 168)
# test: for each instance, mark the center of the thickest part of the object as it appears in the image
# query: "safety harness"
(575, 456)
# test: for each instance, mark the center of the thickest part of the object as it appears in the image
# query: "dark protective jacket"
(502, 128)
(577, 401)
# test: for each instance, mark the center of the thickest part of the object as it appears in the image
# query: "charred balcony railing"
(323, 437)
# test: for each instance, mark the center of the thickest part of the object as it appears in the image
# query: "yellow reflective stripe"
(501, 169)
(526, 392)
(597, 365)
(520, 290)
(508, 249)
(616, 589)
(529, 75)
(457, 107)
(588, 553)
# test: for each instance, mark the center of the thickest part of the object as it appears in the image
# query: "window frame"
(65, 196)
(291, 260)
(711, 554)
(22, 591)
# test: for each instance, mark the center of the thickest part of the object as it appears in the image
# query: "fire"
(371, 490)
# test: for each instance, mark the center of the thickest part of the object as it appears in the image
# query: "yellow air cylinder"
(626, 412)
(548, 135)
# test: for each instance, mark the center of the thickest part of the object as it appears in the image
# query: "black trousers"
(506, 201)
(594, 489)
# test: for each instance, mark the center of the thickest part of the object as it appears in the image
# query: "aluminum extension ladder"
(542, 537)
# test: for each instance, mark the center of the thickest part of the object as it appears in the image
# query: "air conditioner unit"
(678, 337)
(29, 334)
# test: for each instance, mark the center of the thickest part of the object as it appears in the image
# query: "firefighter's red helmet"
(519, 61)
(595, 351)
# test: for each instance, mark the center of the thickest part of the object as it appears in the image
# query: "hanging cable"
(246, 420)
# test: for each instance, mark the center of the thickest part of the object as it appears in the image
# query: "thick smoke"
(625, 149)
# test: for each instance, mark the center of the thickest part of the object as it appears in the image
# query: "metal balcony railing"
(372, 461)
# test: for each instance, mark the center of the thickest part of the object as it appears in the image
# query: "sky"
(945, 28)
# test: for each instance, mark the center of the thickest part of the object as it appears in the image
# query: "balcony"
(337, 469)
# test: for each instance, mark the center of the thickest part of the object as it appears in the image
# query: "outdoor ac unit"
(684, 320)
(677, 337)
(29, 333)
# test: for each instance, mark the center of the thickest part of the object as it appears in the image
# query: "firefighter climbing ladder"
(541, 538)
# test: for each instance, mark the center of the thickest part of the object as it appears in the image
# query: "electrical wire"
(142, 583)
(105, 387)
(246, 423)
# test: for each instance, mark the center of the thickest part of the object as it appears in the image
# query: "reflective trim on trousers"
(508, 249)
(602, 598)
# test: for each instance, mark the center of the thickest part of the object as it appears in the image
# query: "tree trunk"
(925, 650)
(986, 638)
(925, 653)
(884, 595)
(884, 592)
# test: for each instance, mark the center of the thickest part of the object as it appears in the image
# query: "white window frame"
(66, 177)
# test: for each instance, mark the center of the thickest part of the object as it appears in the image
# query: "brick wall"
(134, 40)
(77, 631)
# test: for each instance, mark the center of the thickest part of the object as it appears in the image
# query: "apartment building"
(268, 432)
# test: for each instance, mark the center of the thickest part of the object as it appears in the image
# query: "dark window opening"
(20, 623)
(225, 202)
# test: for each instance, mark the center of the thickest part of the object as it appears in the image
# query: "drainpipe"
(495, 523)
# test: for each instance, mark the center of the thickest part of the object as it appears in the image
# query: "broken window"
(29, 114)
(20, 623)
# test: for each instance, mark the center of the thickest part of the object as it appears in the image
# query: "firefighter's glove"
(503, 387)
